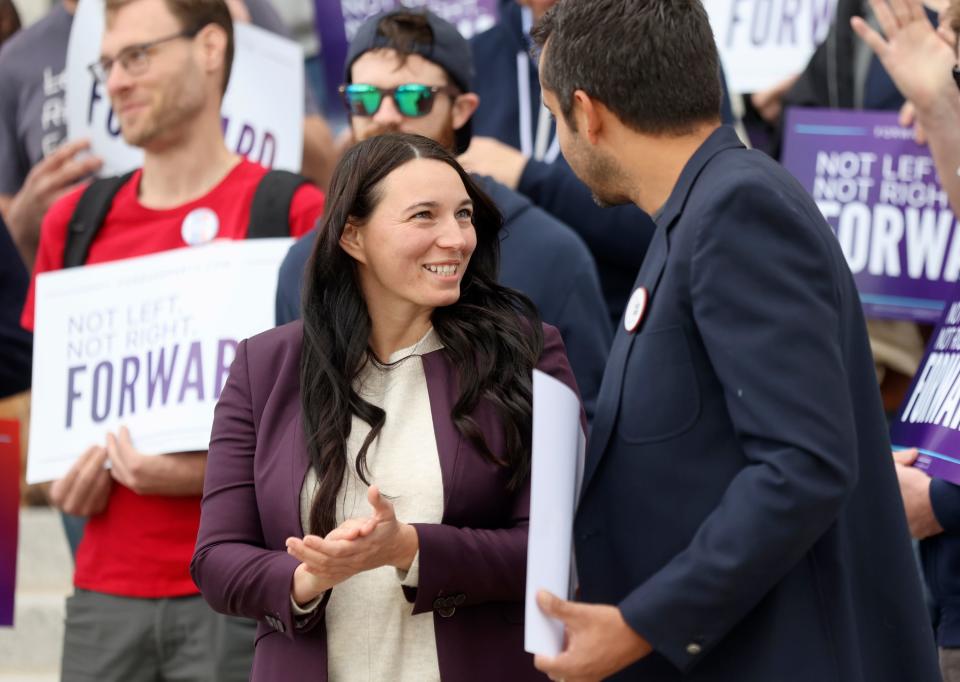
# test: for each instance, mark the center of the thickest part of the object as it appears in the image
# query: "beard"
(447, 137)
(443, 134)
(165, 116)
(603, 175)
(599, 171)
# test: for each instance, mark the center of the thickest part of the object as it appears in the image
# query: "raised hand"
(915, 55)
(46, 182)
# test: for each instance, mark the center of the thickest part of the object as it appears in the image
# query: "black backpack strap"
(88, 216)
(270, 212)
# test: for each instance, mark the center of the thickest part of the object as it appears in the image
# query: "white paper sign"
(763, 42)
(557, 471)
(144, 342)
(262, 110)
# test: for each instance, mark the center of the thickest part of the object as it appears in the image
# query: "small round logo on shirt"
(636, 307)
(200, 226)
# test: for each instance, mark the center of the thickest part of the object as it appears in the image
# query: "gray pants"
(233, 648)
(125, 639)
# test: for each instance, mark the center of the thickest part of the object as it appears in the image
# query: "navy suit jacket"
(540, 257)
(739, 500)
(472, 564)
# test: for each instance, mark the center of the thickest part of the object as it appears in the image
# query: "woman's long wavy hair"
(492, 334)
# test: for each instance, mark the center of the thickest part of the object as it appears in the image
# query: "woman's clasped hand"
(356, 545)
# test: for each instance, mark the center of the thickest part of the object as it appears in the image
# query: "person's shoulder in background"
(40, 45)
(15, 342)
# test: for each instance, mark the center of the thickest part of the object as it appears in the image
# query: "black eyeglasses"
(135, 59)
(412, 99)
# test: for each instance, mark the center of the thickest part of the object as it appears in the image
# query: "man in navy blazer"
(740, 518)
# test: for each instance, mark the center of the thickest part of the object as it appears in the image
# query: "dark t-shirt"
(15, 344)
(33, 118)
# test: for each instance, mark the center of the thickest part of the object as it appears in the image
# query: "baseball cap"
(449, 50)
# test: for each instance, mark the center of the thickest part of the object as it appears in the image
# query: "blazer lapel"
(300, 463)
(442, 388)
(608, 402)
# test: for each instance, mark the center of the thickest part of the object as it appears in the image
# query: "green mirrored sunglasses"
(411, 99)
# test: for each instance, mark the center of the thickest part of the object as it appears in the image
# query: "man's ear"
(212, 40)
(586, 112)
(351, 241)
(464, 107)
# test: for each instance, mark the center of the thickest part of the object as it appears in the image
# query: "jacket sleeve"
(766, 303)
(472, 565)
(235, 571)
(945, 499)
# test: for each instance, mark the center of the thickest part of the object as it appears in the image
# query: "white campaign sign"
(262, 110)
(763, 42)
(144, 342)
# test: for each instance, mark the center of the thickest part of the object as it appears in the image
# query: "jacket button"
(694, 649)
(459, 599)
(445, 606)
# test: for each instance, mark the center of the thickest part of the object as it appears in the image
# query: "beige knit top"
(371, 634)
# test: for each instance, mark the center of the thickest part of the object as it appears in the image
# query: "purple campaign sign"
(9, 515)
(337, 22)
(930, 417)
(880, 193)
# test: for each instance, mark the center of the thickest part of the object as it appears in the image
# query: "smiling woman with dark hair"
(367, 486)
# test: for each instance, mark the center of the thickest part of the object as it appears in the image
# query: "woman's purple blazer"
(472, 564)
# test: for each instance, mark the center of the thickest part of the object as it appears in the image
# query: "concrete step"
(30, 651)
(44, 563)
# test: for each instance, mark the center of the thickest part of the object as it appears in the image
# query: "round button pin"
(200, 226)
(636, 307)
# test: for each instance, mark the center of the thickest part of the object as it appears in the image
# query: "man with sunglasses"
(410, 72)
(136, 613)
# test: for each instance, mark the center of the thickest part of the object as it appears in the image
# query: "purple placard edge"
(930, 440)
(878, 302)
(328, 21)
(935, 464)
